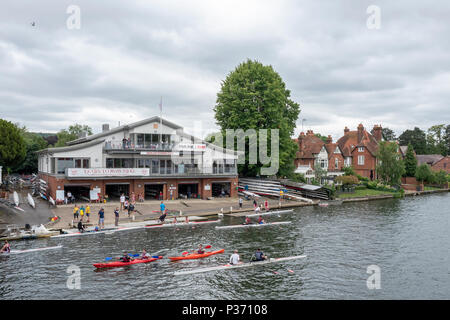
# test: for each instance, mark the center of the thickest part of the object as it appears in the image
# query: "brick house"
(314, 153)
(437, 162)
(359, 149)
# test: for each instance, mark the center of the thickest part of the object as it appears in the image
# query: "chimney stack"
(300, 141)
(329, 139)
(105, 127)
(360, 132)
(346, 130)
(377, 132)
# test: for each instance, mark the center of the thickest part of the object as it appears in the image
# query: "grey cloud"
(128, 54)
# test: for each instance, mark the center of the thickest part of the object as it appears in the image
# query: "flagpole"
(160, 122)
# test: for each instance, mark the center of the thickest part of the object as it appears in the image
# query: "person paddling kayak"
(6, 247)
(234, 259)
(200, 249)
(261, 220)
(259, 256)
(247, 220)
(145, 255)
(125, 257)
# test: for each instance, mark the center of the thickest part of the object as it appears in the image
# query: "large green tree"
(436, 140)
(447, 139)
(33, 142)
(72, 133)
(254, 96)
(12, 145)
(417, 138)
(390, 166)
(410, 162)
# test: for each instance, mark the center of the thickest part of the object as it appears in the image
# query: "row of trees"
(18, 146)
(436, 140)
(391, 167)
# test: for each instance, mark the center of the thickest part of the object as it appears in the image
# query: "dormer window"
(360, 149)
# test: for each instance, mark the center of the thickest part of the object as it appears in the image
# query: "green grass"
(427, 188)
(365, 193)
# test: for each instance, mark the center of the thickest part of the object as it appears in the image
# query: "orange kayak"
(196, 255)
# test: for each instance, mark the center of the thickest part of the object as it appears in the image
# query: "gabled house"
(437, 162)
(313, 153)
(359, 150)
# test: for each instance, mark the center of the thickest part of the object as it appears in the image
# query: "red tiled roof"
(331, 147)
(349, 141)
(311, 145)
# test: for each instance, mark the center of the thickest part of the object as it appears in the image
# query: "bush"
(347, 180)
(298, 177)
(372, 184)
(348, 171)
(440, 177)
(361, 178)
(424, 173)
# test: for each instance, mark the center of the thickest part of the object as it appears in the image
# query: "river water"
(408, 239)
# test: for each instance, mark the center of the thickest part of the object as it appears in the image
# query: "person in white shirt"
(122, 201)
(234, 259)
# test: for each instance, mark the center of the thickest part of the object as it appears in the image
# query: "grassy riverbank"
(364, 193)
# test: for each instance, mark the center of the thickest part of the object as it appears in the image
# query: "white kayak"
(34, 250)
(31, 201)
(268, 212)
(240, 265)
(181, 224)
(86, 233)
(16, 198)
(254, 225)
(52, 201)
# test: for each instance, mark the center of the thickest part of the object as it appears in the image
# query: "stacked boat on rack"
(39, 187)
(268, 188)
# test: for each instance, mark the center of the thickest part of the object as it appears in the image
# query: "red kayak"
(196, 255)
(116, 264)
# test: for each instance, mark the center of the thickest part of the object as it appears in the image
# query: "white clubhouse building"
(153, 158)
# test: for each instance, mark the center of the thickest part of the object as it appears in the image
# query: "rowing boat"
(34, 250)
(117, 264)
(241, 265)
(269, 212)
(181, 224)
(16, 198)
(85, 233)
(197, 255)
(254, 225)
(31, 201)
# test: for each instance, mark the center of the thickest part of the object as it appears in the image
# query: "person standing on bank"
(240, 202)
(116, 217)
(88, 212)
(101, 219)
(122, 201)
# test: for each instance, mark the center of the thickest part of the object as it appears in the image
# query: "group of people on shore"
(80, 212)
(257, 207)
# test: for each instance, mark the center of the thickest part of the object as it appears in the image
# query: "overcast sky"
(127, 54)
